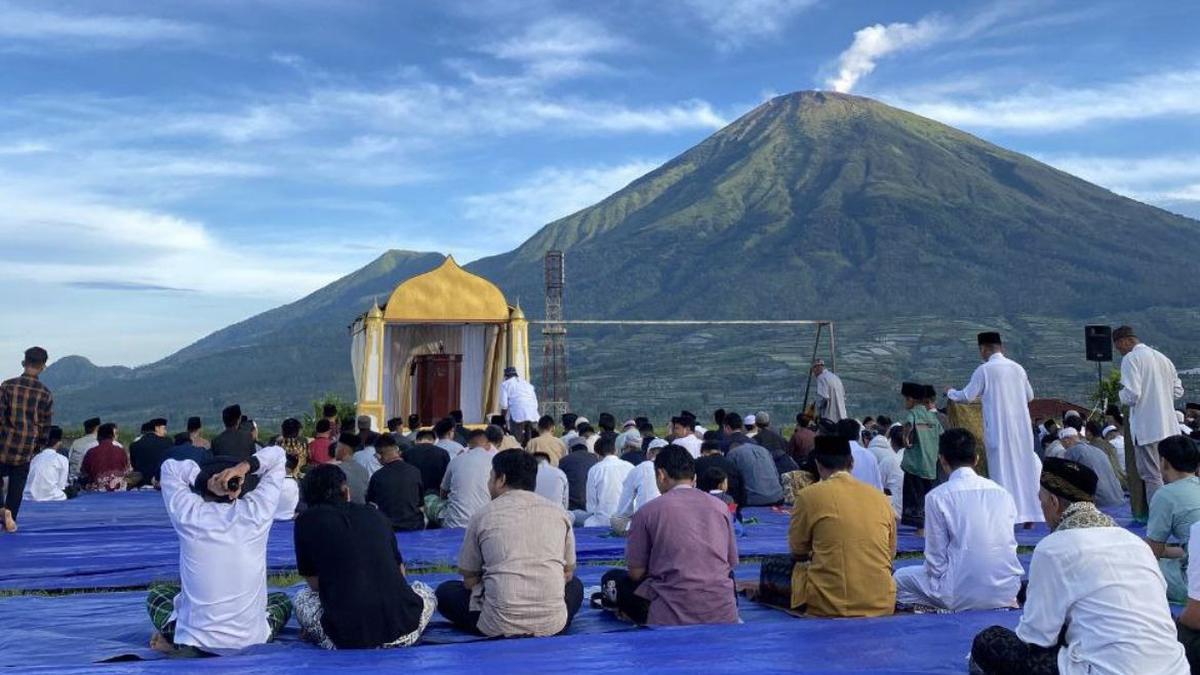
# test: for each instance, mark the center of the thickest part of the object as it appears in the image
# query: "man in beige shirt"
(546, 441)
(517, 560)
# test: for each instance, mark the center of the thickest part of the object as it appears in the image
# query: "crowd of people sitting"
(1096, 595)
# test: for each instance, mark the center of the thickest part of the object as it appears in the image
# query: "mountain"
(823, 205)
(274, 363)
(909, 233)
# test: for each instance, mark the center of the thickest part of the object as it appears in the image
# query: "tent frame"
(821, 327)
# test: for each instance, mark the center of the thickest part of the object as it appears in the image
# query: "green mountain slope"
(821, 205)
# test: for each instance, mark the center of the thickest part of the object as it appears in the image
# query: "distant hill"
(909, 233)
(274, 363)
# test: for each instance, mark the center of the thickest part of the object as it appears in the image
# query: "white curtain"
(358, 350)
(475, 357)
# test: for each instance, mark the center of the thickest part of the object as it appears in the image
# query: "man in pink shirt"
(681, 554)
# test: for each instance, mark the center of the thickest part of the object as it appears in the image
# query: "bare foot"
(10, 524)
(161, 644)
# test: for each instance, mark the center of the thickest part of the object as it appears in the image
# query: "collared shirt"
(888, 463)
(466, 484)
(549, 444)
(1173, 510)
(318, 450)
(848, 529)
(576, 465)
(759, 475)
(1076, 579)
(47, 476)
(552, 485)
(689, 443)
(1149, 386)
(369, 461)
(451, 446)
(921, 459)
(522, 546)
(866, 467)
(1108, 488)
(26, 409)
(831, 396)
(685, 542)
(604, 484)
(78, 450)
(519, 399)
(222, 556)
(639, 488)
(970, 545)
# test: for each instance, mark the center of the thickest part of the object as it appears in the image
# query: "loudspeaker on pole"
(1098, 343)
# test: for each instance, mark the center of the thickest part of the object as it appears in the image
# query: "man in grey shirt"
(1108, 488)
(754, 462)
(357, 476)
(465, 485)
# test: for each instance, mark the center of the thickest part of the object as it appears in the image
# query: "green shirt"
(1173, 510)
(921, 459)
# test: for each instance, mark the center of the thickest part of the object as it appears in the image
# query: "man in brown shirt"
(26, 408)
(517, 560)
(546, 441)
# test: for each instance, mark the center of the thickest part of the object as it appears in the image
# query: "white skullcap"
(1068, 432)
(1108, 430)
(748, 420)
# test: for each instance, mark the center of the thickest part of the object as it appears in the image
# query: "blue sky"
(169, 168)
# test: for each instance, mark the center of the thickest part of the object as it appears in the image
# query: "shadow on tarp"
(75, 633)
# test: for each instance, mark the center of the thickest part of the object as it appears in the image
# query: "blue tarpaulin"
(76, 633)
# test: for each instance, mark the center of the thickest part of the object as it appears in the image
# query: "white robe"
(1007, 431)
(970, 548)
(831, 396)
(889, 472)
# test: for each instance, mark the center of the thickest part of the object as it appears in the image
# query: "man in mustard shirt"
(842, 539)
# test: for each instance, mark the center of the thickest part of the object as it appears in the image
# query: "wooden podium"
(438, 383)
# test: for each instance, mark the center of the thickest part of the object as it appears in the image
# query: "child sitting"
(715, 482)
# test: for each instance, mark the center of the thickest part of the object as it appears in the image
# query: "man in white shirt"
(831, 394)
(223, 515)
(970, 546)
(1149, 386)
(518, 402)
(684, 430)
(639, 487)
(48, 472)
(1007, 429)
(605, 480)
(890, 472)
(465, 484)
(866, 467)
(1189, 620)
(552, 483)
(81, 445)
(368, 459)
(1096, 601)
(444, 429)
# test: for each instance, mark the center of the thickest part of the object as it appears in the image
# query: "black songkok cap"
(911, 390)
(194, 424)
(831, 446)
(1069, 480)
(349, 439)
(989, 338)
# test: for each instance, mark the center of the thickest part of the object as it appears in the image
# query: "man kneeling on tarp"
(517, 560)
(222, 514)
(842, 538)
(1096, 602)
(357, 595)
(970, 543)
(681, 553)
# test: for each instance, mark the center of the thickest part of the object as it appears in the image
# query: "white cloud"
(736, 23)
(1130, 172)
(561, 37)
(875, 42)
(1040, 108)
(27, 22)
(514, 214)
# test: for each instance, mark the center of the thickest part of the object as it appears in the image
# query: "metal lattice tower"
(555, 396)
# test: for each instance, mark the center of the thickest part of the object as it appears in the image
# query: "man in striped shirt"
(26, 408)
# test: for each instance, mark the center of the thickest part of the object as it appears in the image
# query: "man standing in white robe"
(1007, 428)
(831, 395)
(1149, 386)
